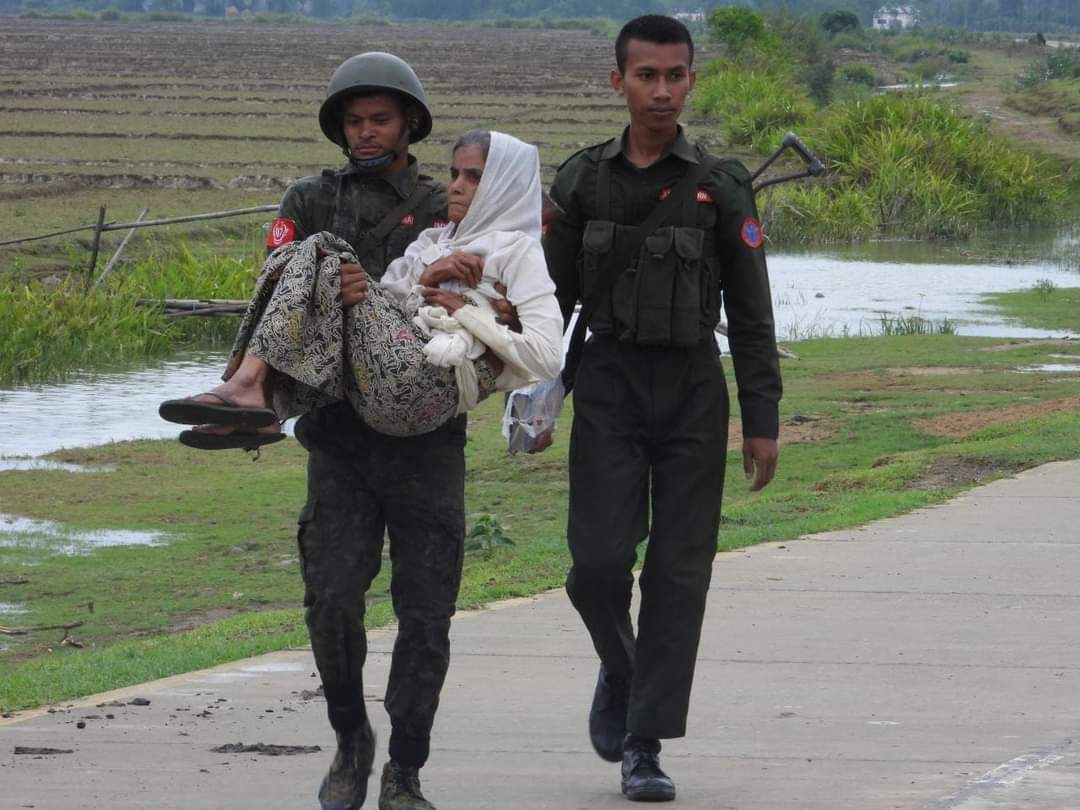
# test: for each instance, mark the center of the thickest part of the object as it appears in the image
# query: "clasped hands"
(464, 267)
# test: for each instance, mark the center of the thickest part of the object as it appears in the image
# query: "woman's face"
(466, 168)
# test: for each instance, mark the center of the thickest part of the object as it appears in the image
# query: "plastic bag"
(530, 411)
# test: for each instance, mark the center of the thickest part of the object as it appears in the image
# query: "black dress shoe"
(642, 779)
(607, 717)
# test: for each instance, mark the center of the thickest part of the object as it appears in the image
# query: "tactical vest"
(668, 295)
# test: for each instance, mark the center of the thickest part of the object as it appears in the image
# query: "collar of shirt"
(680, 148)
(402, 182)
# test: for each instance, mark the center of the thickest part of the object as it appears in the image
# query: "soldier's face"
(655, 81)
(466, 169)
(375, 125)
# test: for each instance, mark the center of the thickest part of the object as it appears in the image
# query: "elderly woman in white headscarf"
(405, 356)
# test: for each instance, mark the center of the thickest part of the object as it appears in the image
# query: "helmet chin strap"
(370, 165)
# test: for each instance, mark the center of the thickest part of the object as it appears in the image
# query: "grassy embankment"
(873, 427)
(51, 329)
(1044, 306)
(906, 164)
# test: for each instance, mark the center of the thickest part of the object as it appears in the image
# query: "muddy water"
(842, 291)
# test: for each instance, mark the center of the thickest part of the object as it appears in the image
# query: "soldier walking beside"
(360, 482)
(656, 234)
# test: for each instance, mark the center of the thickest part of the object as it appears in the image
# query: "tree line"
(977, 15)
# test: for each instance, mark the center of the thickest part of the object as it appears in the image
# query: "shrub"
(851, 41)
(755, 108)
(736, 27)
(859, 74)
(839, 22)
(932, 171)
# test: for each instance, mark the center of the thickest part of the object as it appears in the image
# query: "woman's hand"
(464, 267)
(505, 312)
(436, 297)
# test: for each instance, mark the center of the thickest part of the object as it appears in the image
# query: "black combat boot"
(401, 789)
(607, 717)
(345, 786)
(642, 779)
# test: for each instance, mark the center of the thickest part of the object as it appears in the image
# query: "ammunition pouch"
(664, 298)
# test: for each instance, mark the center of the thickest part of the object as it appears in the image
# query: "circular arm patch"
(751, 233)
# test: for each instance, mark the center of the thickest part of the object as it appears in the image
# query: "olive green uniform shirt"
(725, 208)
(349, 204)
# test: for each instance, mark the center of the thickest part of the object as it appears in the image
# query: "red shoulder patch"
(282, 231)
(702, 195)
(408, 220)
(751, 233)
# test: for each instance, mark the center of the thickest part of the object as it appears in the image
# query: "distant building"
(696, 17)
(896, 17)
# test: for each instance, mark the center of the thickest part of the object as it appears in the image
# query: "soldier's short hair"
(656, 28)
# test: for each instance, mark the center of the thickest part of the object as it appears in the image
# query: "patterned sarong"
(370, 354)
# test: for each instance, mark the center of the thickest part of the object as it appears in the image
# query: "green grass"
(914, 166)
(1059, 98)
(50, 329)
(227, 584)
(1045, 307)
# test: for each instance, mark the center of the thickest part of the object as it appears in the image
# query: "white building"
(690, 17)
(896, 17)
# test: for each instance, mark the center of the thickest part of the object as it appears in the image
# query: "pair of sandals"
(246, 422)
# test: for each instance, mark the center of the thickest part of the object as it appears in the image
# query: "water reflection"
(53, 538)
(98, 407)
(847, 290)
(33, 463)
(1053, 368)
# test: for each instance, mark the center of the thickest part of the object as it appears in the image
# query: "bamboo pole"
(191, 218)
(48, 235)
(96, 246)
(113, 226)
(119, 250)
(206, 311)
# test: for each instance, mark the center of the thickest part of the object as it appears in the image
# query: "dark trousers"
(362, 484)
(649, 436)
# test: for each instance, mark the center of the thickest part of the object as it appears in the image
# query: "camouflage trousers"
(362, 485)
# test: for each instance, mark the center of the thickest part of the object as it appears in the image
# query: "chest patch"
(439, 223)
(751, 233)
(282, 231)
(702, 195)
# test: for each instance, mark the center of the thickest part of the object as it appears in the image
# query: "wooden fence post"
(116, 256)
(96, 246)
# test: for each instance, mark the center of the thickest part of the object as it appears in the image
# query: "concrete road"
(928, 662)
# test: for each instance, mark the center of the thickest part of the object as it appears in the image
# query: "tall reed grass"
(755, 107)
(49, 330)
(911, 165)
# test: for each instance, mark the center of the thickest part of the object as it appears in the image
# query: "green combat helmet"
(374, 72)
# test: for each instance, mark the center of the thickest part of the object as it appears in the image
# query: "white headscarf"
(509, 197)
(505, 209)
(502, 226)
